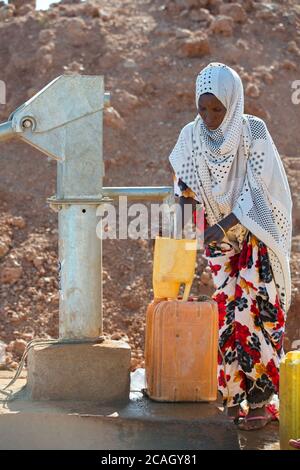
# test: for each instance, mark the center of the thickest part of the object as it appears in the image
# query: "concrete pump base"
(86, 372)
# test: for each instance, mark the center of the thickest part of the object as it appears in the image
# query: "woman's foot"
(233, 413)
(257, 418)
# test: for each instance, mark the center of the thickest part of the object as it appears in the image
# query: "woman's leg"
(259, 331)
(232, 411)
(230, 383)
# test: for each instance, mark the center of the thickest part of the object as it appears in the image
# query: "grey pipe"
(138, 192)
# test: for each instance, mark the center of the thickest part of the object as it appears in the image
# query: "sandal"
(236, 419)
(264, 420)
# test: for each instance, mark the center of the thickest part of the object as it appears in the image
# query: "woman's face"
(211, 110)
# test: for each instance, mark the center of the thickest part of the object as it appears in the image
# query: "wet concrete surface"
(139, 423)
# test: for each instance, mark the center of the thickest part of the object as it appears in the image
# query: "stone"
(10, 275)
(252, 90)
(129, 63)
(97, 372)
(27, 336)
(25, 9)
(13, 365)
(290, 18)
(47, 48)
(195, 3)
(214, 6)
(127, 102)
(4, 248)
(38, 262)
(74, 30)
(235, 11)
(90, 9)
(264, 73)
(113, 119)
(6, 12)
(289, 65)
(18, 346)
(248, 5)
(46, 35)
(130, 300)
(105, 15)
(195, 46)
(70, 2)
(174, 8)
(21, 3)
(279, 27)
(201, 15)
(14, 318)
(52, 13)
(116, 336)
(267, 15)
(292, 47)
(45, 63)
(18, 222)
(183, 33)
(74, 67)
(222, 25)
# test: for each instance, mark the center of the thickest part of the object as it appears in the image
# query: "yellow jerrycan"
(289, 404)
(173, 265)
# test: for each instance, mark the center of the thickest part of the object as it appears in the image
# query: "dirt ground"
(150, 53)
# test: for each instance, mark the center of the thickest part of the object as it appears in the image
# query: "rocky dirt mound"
(150, 53)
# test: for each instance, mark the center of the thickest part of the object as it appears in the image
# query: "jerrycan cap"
(292, 356)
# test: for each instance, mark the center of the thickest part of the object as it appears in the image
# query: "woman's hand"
(213, 234)
(187, 205)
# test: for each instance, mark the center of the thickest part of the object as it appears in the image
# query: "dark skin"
(212, 111)
(213, 233)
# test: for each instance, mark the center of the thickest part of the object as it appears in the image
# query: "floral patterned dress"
(251, 328)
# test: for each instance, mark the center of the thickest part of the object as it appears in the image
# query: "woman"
(227, 162)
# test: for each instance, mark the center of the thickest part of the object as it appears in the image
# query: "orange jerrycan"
(181, 348)
(289, 404)
(173, 265)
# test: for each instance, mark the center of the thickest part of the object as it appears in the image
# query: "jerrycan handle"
(176, 228)
(187, 289)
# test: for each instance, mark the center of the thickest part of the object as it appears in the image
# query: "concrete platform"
(83, 371)
(139, 424)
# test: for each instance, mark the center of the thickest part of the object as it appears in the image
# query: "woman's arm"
(187, 205)
(215, 233)
(229, 221)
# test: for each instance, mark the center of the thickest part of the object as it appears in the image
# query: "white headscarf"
(236, 168)
(226, 85)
